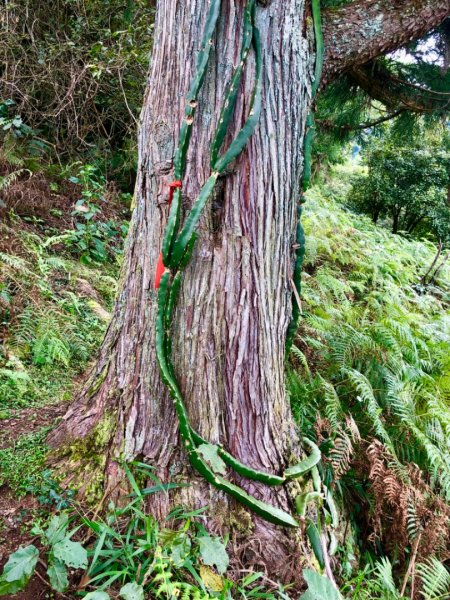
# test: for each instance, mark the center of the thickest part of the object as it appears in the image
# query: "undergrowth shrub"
(369, 378)
(53, 312)
(82, 81)
(128, 554)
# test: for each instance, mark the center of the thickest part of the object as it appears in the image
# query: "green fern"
(385, 578)
(167, 586)
(333, 407)
(374, 411)
(435, 580)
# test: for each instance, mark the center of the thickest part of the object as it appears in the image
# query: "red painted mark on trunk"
(160, 268)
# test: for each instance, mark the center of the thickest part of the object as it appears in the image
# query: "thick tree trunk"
(229, 335)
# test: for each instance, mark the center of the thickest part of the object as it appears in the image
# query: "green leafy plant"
(378, 582)
(51, 329)
(49, 493)
(369, 377)
(62, 553)
(128, 554)
(319, 587)
(18, 570)
(92, 238)
(407, 183)
(11, 121)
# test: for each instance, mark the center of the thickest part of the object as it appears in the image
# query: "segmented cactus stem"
(230, 98)
(177, 247)
(307, 161)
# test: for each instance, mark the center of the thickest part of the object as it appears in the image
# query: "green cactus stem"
(177, 247)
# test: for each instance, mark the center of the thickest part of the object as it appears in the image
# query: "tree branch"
(328, 124)
(358, 32)
(379, 83)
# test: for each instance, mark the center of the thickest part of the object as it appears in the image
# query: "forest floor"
(54, 309)
(55, 306)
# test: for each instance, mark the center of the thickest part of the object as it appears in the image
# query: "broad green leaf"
(20, 565)
(56, 530)
(179, 550)
(72, 554)
(213, 553)
(319, 587)
(7, 588)
(97, 596)
(211, 455)
(57, 575)
(132, 591)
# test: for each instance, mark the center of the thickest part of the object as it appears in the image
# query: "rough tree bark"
(359, 31)
(235, 303)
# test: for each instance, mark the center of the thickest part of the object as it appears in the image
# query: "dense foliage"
(369, 376)
(408, 182)
(370, 380)
(53, 306)
(75, 71)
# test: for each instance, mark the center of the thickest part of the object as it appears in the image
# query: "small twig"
(327, 123)
(410, 568)
(326, 558)
(297, 297)
(42, 579)
(48, 584)
(130, 112)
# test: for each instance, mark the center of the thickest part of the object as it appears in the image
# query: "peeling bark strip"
(357, 32)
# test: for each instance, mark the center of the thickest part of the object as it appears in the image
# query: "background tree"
(236, 296)
(408, 184)
(402, 87)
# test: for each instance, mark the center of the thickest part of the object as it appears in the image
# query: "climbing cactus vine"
(179, 240)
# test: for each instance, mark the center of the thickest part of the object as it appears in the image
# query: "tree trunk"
(395, 220)
(435, 259)
(235, 304)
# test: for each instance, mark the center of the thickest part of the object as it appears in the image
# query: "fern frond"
(385, 577)
(435, 580)
(366, 395)
(340, 455)
(333, 408)
(302, 358)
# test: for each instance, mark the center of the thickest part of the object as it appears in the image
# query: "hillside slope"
(370, 380)
(369, 377)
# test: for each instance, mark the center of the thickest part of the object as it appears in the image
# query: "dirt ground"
(26, 421)
(17, 513)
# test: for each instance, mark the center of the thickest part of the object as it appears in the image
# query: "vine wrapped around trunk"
(208, 459)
